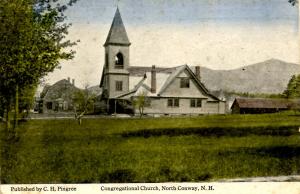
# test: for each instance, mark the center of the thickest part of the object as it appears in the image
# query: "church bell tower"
(115, 77)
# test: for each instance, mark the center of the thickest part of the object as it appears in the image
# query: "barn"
(261, 105)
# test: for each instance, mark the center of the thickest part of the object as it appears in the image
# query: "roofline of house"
(272, 99)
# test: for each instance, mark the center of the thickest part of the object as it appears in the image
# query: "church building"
(150, 90)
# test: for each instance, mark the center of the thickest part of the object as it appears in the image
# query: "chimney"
(153, 79)
(197, 72)
(73, 82)
(69, 80)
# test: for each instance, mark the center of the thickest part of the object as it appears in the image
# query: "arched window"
(119, 61)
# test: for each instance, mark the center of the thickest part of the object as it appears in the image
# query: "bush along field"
(190, 149)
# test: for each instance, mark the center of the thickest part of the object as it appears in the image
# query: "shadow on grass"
(216, 131)
(280, 152)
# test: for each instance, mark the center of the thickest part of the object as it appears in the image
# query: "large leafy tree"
(32, 42)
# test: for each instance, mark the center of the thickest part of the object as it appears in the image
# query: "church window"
(170, 102)
(49, 105)
(119, 85)
(176, 102)
(196, 103)
(119, 61)
(199, 103)
(184, 82)
(193, 102)
(173, 102)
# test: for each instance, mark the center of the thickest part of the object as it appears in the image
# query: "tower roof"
(117, 33)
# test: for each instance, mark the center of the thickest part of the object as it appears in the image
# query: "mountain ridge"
(269, 77)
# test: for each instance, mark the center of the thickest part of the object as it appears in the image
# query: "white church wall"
(159, 106)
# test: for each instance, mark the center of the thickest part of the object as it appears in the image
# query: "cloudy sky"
(218, 34)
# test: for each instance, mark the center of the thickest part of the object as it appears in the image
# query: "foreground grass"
(117, 150)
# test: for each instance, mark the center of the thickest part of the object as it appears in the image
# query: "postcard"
(150, 96)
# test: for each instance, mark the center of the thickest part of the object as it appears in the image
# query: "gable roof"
(261, 103)
(117, 33)
(169, 80)
(140, 80)
(179, 70)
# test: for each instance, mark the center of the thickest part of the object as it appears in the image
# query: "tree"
(140, 102)
(32, 42)
(83, 103)
(293, 87)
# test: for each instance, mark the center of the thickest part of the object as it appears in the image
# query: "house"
(58, 97)
(167, 91)
(262, 105)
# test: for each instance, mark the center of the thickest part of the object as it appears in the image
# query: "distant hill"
(268, 77)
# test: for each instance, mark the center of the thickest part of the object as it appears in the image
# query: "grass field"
(193, 149)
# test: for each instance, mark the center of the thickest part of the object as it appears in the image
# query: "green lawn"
(193, 149)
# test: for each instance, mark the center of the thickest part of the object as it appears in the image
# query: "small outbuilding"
(261, 105)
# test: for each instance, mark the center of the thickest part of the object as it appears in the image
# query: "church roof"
(117, 33)
(140, 80)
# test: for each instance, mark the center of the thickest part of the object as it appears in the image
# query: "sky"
(217, 34)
